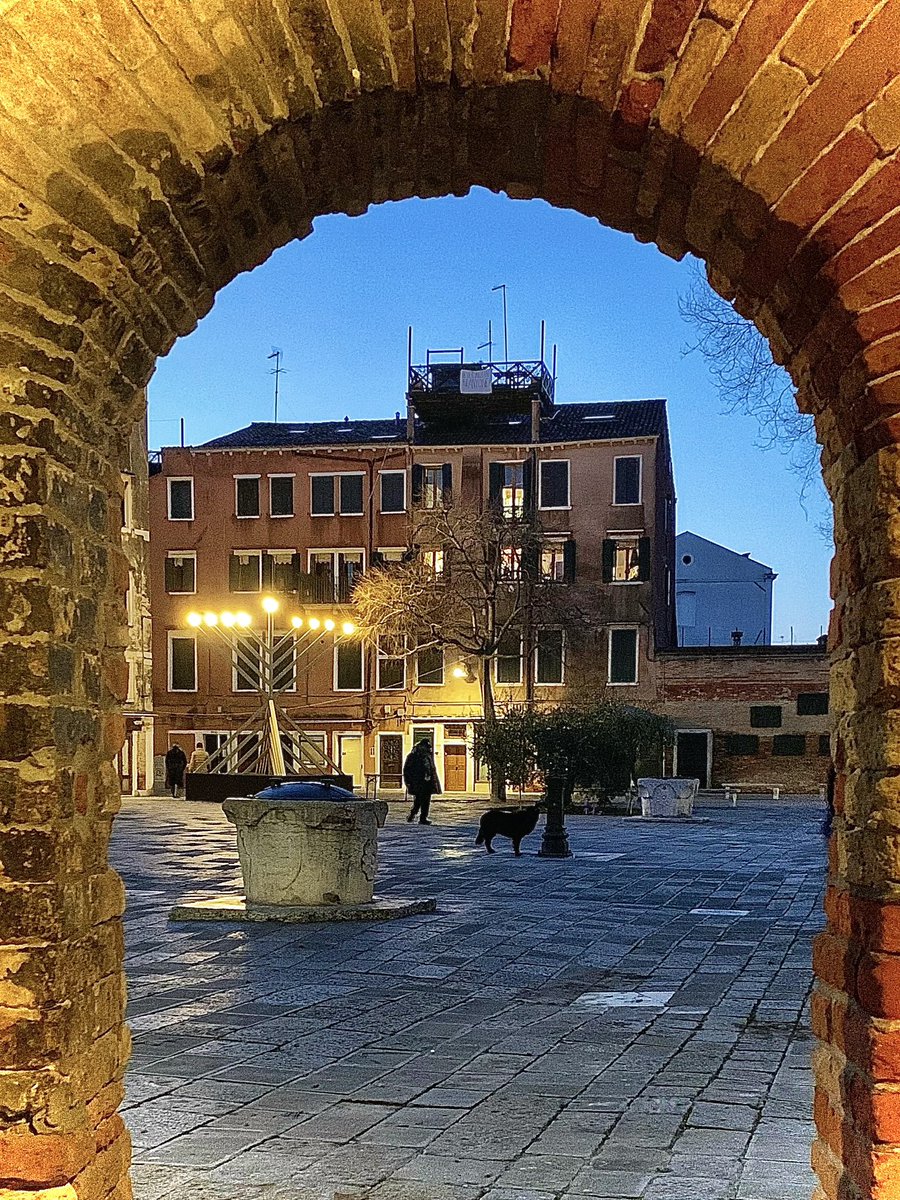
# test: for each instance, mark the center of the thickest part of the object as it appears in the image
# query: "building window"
(507, 488)
(765, 716)
(812, 704)
(788, 745)
(623, 656)
(246, 495)
(351, 495)
(280, 570)
(741, 745)
(181, 572)
(245, 571)
(334, 574)
(390, 556)
(549, 655)
(558, 562)
(246, 665)
(348, 667)
(247, 669)
(281, 495)
(511, 562)
(508, 660)
(321, 495)
(432, 485)
(433, 560)
(430, 666)
(825, 745)
(554, 484)
(393, 491)
(284, 662)
(391, 665)
(553, 563)
(627, 485)
(626, 559)
(181, 499)
(182, 663)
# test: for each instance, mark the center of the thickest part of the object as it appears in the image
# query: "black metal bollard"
(555, 840)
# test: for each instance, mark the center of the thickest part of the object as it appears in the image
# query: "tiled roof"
(597, 421)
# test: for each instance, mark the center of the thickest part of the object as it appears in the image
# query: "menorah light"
(268, 661)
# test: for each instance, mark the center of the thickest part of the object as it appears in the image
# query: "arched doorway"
(151, 154)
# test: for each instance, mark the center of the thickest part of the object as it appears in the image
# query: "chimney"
(535, 420)
(737, 636)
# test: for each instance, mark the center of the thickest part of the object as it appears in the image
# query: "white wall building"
(720, 593)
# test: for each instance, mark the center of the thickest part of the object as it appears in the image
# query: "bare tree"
(472, 579)
(749, 380)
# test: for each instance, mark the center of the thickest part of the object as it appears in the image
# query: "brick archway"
(148, 154)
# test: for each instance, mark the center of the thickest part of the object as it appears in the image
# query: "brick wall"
(754, 702)
(153, 152)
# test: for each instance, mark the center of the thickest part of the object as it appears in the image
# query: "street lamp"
(269, 661)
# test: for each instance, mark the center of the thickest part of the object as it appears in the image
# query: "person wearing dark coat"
(176, 762)
(421, 779)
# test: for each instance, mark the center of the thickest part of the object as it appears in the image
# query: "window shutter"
(234, 574)
(448, 561)
(266, 570)
(495, 483)
(170, 575)
(608, 560)
(644, 559)
(447, 482)
(376, 559)
(528, 485)
(296, 571)
(569, 561)
(418, 483)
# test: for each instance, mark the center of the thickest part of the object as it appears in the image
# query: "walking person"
(199, 760)
(176, 764)
(421, 779)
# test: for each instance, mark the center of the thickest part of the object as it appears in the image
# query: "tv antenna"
(490, 344)
(278, 370)
(501, 287)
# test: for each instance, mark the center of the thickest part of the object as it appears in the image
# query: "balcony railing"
(506, 380)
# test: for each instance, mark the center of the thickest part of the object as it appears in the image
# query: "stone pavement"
(628, 1023)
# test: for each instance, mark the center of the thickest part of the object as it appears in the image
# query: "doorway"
(454, 767)
(390, 760)
(350, 756)
(692, 755)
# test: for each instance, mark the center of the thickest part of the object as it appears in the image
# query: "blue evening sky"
(338, 304)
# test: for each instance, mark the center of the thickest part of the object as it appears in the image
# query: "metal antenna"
(490, 344)
(277, 371)
(501, 287)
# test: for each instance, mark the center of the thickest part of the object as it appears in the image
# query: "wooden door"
(454, 768)
(390, 760)
(350, 754)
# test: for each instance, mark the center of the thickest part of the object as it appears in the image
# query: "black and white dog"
(513, 823)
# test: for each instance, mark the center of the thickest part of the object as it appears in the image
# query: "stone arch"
(149, 153)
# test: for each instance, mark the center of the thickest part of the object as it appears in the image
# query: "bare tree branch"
(749, 381)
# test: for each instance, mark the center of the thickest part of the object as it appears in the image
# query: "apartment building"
(300, 510)
(135, 761)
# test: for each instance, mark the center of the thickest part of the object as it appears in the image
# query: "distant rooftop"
(596, 421)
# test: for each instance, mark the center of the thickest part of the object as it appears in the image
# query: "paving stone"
(447, 1057)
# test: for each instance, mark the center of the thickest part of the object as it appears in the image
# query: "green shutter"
(447, 483)
(569, 561)
(608, 559)
(644, 558)
(495, 484)
(418, 483)
(234, 574)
